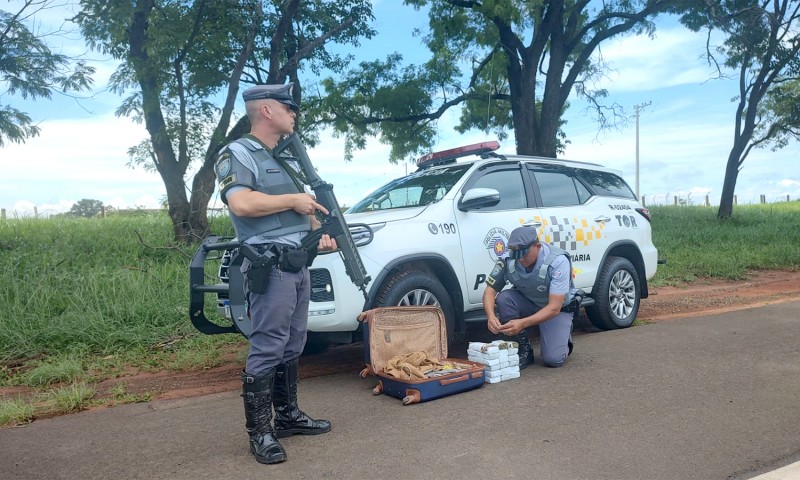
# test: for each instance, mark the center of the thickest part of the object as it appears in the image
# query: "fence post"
(2, 213)
(644, 204)
(708, 203)
(787, 197)
(734, 200)
(675, 199)
(35, 212)
(763, 199)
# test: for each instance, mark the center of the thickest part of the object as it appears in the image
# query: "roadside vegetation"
(89, 299)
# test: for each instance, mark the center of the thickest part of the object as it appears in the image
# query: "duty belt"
(289, 259)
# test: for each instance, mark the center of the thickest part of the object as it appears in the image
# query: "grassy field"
(87, 299)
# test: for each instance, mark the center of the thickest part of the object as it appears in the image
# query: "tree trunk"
(731, 175)
(177, 205)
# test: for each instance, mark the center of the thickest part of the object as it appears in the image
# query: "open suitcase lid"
(397, 331)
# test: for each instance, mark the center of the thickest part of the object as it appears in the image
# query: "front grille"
(321, 286)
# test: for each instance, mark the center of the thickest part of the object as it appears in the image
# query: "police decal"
(496, 241)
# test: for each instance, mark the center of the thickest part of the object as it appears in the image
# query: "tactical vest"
(275, 225)
(535, 285)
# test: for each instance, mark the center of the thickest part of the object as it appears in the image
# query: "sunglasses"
(517, 247)
(519, 251)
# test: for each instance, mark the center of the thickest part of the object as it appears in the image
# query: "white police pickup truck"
(437, 232)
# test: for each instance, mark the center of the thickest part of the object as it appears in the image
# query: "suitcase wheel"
(412, 397)
(378, 389)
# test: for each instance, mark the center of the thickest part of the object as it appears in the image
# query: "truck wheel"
(415, 288)
(616, 295)
(315, 343)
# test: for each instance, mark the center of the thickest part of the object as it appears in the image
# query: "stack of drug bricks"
(501, 359)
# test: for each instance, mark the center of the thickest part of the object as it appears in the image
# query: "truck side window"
(558, 189)
(509, 184)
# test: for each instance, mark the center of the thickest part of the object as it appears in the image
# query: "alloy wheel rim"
(419, 297)
(622, 294)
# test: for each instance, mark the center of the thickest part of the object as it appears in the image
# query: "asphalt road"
(706, 398)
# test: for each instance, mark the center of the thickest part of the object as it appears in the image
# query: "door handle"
(602, 219)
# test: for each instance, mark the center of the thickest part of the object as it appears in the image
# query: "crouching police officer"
(543, 294)
(272, 213)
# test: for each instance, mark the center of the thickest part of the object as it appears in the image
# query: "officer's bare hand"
(512, 327)
(493, 323)
(306, 204)
(327, 244)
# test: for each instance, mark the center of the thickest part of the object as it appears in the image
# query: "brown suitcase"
(393, 331)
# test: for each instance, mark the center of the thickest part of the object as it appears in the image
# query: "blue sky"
(685, 132)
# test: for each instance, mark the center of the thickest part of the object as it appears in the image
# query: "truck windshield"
(417, 189)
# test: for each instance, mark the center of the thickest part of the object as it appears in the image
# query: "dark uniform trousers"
(280, 319)
(554, 334)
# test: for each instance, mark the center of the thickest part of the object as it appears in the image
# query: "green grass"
(16, 411)
(54, 370)
(698, 245)
(69, 399)
(89, 299)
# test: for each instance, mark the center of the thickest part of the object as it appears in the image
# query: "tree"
(86, 208)
(183, 63)
(508, 64)
(762, 45)
(30, 69)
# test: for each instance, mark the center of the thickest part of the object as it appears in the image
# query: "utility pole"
(638, 108)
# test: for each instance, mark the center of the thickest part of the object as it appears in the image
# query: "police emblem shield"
(223, 165)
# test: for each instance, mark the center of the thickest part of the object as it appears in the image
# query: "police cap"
(522, 237)
(281, 93)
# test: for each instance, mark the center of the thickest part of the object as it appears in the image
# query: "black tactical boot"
(525, 350)
(289, 419)
(257, 394)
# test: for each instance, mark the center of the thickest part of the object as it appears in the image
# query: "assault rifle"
(333, 223)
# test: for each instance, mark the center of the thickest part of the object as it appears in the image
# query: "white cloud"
(672, 57)
(75, 159)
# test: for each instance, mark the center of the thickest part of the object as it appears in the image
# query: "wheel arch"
(629, 251)
(433, 263)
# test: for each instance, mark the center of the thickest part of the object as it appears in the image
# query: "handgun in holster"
(260, 267)
(574, 305)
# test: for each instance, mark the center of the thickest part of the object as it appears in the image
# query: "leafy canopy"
(31, 70)
(86, 207)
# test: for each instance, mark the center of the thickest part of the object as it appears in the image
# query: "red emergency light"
(437, 158)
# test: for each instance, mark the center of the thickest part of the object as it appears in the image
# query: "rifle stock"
(333, 223)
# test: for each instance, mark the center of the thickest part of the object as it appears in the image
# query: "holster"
(575, 304)
(260, 268)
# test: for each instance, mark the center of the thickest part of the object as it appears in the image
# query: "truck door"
(484, 231)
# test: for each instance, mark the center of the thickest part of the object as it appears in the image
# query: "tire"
(617, 295)
(415, 288)
(315, 343)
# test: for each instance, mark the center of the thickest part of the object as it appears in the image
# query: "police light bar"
(438, 158)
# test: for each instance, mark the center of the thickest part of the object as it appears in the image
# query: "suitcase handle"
(454, 380)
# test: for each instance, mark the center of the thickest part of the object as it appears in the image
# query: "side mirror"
(475, 198)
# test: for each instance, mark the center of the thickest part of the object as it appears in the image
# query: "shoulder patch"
(556, 273)
(226, 182)
(498, 267)
(223, 165)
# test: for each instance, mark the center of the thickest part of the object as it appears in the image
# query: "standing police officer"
(541, 276)
(272, 213)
